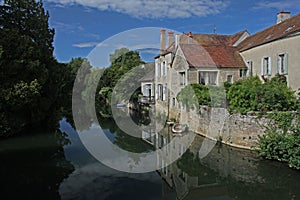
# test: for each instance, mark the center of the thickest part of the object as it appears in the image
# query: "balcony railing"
(147, 99)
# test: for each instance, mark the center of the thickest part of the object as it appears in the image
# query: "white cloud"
(154, 8)
(86, 44)
(286, 4)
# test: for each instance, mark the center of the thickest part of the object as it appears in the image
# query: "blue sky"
(82, 24)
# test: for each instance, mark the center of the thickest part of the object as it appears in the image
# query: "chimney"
(170, 38)
(177, 40)
(162, 40)
(190, 38)
(282, 15)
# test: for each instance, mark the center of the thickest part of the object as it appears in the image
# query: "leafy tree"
(32, 82)
(119, 67)
(117, 54)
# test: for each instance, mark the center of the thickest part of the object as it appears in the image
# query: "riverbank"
(237, 130)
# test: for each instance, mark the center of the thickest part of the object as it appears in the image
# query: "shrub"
(252, 95)
(282, 139)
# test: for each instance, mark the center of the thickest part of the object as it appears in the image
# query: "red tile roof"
(272, 33)
(210, 50)
(212, 56)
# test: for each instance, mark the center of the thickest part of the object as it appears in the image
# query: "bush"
(282, 139)
(252, 95)
(281, 147)
(197, 94)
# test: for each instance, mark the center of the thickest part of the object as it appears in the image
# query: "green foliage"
(197, 94)
(282, 139)
(117, 54)
(23, 94)
(283, 120)
(252, 95)
(244, 95)
(277, 96)
(120, 68)
(188, 97)
(281, 147)
(32, 83)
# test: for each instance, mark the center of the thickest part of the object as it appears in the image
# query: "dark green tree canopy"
(31, 80)
(26, 40)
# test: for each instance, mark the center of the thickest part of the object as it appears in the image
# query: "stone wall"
(216, 123)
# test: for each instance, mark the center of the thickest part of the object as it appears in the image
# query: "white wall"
(290, 46)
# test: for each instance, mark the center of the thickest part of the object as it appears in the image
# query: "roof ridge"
(271, 33)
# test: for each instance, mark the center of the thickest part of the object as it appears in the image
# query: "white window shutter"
(164, 93)
(285, 63)
(262, 67)
(278, 65)
(270, 67)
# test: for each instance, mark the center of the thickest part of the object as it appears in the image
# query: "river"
(47, 165)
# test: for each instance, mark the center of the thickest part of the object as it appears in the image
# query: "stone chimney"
(162, 40)
(177, 40)
(282, 15)
(170, 38)
(190, 38)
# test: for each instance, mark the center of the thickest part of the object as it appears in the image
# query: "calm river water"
(47, 165)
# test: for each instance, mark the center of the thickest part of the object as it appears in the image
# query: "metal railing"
(147, 99)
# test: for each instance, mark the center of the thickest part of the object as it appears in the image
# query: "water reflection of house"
(192, 177)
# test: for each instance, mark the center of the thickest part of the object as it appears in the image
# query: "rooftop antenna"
(215, 29)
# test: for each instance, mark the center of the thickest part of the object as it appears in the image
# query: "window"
(250, 68)
(165, 92)
(266, 66)
(173, 102)
(182, 78)
(229, 78)
(282, 64)
(243, 73)
(160, 92)
(164, 68)
(208, 78)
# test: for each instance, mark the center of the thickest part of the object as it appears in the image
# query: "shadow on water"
(33, 165)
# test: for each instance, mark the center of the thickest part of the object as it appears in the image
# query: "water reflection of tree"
(190, 164)
(34, 166)
(123, 140)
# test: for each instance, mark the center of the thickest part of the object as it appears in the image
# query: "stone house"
(275, 50)
(212, 59)
(208, 59)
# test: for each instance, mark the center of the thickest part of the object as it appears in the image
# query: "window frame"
(282, 64)
(266, 66)
(231, 78)
(182, 80)
(207, 77)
